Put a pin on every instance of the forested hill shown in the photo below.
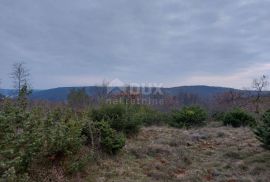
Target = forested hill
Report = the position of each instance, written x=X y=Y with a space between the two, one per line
x=61 y=93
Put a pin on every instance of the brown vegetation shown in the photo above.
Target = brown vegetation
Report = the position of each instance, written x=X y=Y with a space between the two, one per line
x=205 y=154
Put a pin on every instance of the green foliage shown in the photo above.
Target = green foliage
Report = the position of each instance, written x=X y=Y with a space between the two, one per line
x=30 y=136
x=19 y=141
x=61 y=134
x=35 y=136
x=111 y=141
x=120 y=117
x=263 y=130
x=218 y=115
x=132 y=124
x=188 y=117
x=100 y=135
x=237 y=118
x=77 y=163
x=114 y=114
x=22 y=97
x=148 y=117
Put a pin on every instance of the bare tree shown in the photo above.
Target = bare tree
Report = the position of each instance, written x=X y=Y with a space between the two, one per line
x=20 y=76
x=259 y=84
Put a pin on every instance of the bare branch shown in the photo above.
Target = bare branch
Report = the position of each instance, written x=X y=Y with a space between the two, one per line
x=20 y=75
x=259 y=84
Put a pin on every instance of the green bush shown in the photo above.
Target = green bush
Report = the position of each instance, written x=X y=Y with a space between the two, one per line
x=100 y=135
x=34 y=136
x=218 y=115
x=237 y=118
x=120 y=118
x=112 y=113
x=132 y=124
x=263 y=130
x=148 y=117
x=111 y=141
x=77 y=163
x=61 y=134
x=19 y=142
x=188 y=117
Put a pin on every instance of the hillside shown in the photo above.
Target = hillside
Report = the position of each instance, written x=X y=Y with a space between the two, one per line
x=200 y=90
x=7 y=92
x=60 y=94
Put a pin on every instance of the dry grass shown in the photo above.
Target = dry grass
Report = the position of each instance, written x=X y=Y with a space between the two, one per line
x=204 y=154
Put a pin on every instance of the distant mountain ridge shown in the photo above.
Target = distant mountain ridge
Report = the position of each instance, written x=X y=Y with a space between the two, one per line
x=61 y=93
x=7 y=92
x=201 y=90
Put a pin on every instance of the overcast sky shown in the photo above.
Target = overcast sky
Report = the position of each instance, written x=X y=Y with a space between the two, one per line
x=174 y=42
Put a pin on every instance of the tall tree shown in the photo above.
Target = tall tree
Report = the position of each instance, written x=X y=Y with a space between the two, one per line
x=259 y=84
x=20 y=76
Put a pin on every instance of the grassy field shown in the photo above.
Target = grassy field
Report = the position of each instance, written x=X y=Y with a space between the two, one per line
x=212 y=153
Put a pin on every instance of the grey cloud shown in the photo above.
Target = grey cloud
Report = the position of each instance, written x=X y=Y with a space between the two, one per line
x=140 y=40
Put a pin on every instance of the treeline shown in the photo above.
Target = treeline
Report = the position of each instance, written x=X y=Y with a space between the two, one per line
x=36 y=139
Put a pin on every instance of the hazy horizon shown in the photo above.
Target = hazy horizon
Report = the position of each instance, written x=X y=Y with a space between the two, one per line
x=174 y=43
x=100 y=85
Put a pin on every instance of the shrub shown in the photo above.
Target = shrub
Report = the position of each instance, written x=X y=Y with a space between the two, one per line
x=114 y=114
x=100 y=135
x=111 y=141
x=19 y=142
x=188 y=117
x=237 y=118
x=77 y=163
x=149 y=117
x=61 y=134
x=34 y=136
x=218 y=115
x=263 y=130
x=120 y=118
x=132 y=124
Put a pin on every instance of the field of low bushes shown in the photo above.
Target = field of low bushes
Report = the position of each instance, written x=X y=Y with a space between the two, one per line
x=56 y=144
